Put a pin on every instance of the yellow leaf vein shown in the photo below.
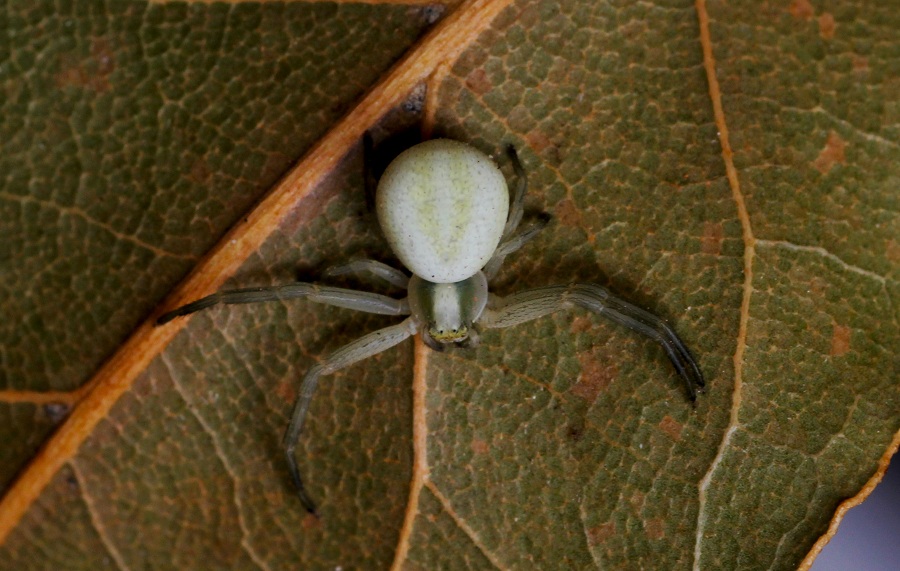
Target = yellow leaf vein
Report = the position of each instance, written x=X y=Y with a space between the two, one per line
x=749 y=253
x=239 y=508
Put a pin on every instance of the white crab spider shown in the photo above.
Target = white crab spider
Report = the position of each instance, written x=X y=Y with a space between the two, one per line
x=444 y=208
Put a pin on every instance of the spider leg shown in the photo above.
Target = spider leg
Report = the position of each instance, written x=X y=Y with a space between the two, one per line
x=391 y=275
x=511 y=240
x=534 y=303
x=512 y=244
x=363 y=347
x=517 y=206
x=351 y=299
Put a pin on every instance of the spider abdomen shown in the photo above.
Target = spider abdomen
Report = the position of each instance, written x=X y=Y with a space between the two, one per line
x=442 y=205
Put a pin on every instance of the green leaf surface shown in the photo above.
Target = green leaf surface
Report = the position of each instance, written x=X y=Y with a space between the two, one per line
x=134 y=135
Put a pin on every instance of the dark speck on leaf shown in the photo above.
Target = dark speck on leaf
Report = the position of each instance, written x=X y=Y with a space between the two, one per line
x=56 y=411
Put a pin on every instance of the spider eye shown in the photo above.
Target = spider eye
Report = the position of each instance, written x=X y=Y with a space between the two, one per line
x=448 y=335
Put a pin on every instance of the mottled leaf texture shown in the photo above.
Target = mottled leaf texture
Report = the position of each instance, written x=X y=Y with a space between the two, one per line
x=134 y=135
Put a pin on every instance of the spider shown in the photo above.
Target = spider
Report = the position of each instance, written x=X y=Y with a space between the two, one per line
x=445 y=210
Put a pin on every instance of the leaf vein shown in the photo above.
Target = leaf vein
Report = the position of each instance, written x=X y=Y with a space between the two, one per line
x=461 y=523
x=245 y=534
x=715 y=95
x=824 y=253
x=78 y=213
x=819 y=110
x=96 y=521
x=443 y=44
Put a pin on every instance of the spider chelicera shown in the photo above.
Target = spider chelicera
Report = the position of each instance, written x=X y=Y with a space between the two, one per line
x=445 y=210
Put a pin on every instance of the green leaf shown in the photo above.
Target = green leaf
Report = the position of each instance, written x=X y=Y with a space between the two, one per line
x=135 y=135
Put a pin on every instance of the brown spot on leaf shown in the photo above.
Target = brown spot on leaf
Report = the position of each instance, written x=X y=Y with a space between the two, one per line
x=826 y=26
x=71 y=74
x=711 y=243
x=538 y=141
x=479 y=446
x=860 y=63
x=286 y=391
x=832 y=153
x=671 y=427
x=567 y=213
x=200 y=172
x=310 y=521
x=802 y=9
x=655 y=529
x=840 y=340
x=892 y=250
x=595 y=376
x=581 y=324
x=478 y=81
x=601 y=533
x=90 y=73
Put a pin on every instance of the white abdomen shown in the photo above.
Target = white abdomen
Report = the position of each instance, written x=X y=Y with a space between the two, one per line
x=442 y=205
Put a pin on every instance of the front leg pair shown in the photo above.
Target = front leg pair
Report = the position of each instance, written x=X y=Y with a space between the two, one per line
x=362 y=348
x=534 y=303
x=340 y=297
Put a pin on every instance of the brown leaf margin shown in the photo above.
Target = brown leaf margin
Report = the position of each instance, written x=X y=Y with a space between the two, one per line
x=442 y=45
x=709 y=64
x=845 y=506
